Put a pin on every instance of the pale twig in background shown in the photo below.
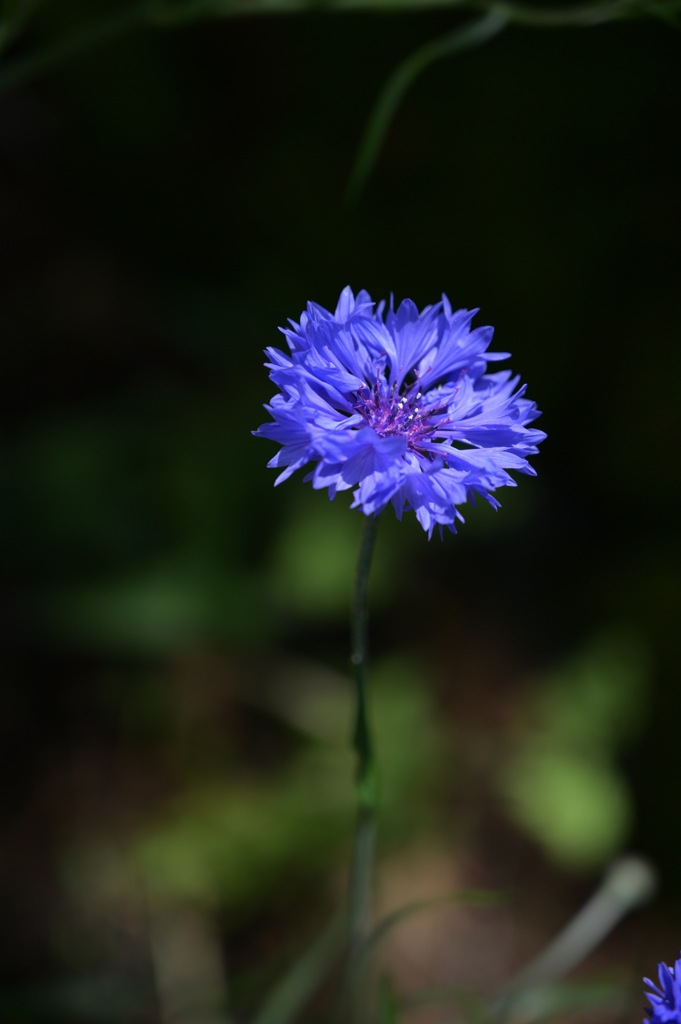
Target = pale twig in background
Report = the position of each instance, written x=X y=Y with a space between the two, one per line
x=629 y=882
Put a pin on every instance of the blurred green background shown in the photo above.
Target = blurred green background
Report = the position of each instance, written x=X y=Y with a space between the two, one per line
x=175 y=703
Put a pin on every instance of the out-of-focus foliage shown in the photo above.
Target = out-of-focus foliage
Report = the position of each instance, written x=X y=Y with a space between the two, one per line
x=564 y=783
x=228 y=841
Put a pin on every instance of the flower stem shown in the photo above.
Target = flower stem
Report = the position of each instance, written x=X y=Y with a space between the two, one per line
x=366 y=785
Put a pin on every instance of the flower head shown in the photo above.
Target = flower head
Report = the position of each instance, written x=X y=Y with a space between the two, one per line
x=399 y=405
x=665 y=1000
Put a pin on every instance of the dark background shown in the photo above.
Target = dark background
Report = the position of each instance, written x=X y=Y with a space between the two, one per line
x=166 y=202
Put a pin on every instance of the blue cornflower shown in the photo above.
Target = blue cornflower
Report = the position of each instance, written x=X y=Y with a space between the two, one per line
x=399 y=405
x=665 y=1000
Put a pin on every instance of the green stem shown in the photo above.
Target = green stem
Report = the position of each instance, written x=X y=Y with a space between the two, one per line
x=463 y=38
x=366 y=787
x=150 y=13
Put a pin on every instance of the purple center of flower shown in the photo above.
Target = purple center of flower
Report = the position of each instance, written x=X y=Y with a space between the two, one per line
x=391 y=412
